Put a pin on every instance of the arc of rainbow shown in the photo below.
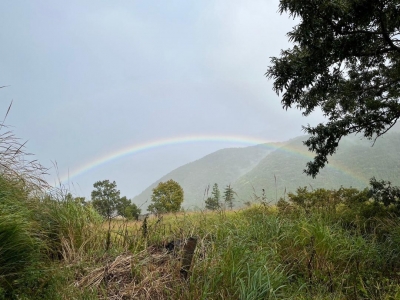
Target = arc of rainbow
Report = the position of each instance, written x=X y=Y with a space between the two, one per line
x=146 y=146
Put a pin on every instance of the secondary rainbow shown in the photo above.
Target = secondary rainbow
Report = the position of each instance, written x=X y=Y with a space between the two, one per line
x=146 y=146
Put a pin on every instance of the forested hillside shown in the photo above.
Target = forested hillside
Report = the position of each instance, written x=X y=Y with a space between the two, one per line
x=278 y=168
x=355 y=162
x=223 y=167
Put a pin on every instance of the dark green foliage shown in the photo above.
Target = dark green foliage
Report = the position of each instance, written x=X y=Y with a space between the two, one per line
x=127 y=209
x=216 y=194
x=79 y=200
x=212 y=203
x=107 y=201
x=327 y=200
x=345 y=61
x=229 y=196
x=353 y=209
x=66 y=222
x=23 y=264
x=383 y=192
x=166 y=197
x=105 y=198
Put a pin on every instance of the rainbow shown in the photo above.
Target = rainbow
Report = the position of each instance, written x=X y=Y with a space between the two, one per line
x=146 y=146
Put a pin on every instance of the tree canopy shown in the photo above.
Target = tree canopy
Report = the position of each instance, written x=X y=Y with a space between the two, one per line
x=105 y=198
x=166 y=197
x=127 y=209
x=345 y=61
x=212 y=202
x=107 y=201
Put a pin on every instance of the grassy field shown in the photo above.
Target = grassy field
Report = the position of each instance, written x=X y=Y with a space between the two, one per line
x=329 y=245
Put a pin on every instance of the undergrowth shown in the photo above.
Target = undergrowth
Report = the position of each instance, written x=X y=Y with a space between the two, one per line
x=316 y=245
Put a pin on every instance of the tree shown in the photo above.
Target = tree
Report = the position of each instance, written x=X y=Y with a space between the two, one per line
x=212 y=202
x=216 y=194
x=229 y=196
x=383 y=192
x=166 y=197
x=105 y=198
x=345 y=61
x=127 y=209
x=70 y=197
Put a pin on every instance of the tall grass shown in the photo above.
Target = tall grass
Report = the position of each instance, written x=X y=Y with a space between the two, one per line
x=72 y=230
x=21 y=245
x=319 y=245
x=260 y=252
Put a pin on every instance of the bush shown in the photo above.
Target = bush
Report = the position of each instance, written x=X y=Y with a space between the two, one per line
x=20 y=245
x=71 y=228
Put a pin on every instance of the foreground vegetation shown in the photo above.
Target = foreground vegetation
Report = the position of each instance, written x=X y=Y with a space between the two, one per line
x=316 y=245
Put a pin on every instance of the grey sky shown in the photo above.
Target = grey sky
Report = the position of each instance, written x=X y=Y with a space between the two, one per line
x=91 y=77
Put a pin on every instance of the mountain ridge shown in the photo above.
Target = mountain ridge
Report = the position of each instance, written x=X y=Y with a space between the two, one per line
x=278 y=169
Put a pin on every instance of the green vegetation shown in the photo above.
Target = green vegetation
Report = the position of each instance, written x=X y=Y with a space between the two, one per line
x=316 y=244
x=229 y=196
x=313 y=244
x=354 y=163
x=222 y=167
x=345 y=61
x=106 y=198
x=127 y=209
x=213 y=202
x=108 y=203
x=167 y=197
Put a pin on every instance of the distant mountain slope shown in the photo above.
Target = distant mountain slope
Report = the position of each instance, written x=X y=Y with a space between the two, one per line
x=353 y=165
x=223 y=167
x=252 y=169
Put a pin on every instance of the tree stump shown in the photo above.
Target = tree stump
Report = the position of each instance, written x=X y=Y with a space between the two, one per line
x=187 y=256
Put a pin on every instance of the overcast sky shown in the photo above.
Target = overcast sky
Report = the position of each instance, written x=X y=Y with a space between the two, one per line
x=91 y=77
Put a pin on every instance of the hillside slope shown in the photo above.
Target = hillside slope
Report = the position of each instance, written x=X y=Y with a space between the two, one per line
x=353 y=165
x=223 y=167
x=278 y=169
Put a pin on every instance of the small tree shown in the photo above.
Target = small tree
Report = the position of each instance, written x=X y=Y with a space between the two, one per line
x=212 y=203
x=383 y=192
x=216 y=194
x=105 y=199
x=127 y=209
x=229 y=196
x=166 y=197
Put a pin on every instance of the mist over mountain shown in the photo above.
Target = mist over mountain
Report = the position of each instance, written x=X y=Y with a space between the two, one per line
x=355 y=162
x=278 y=169
x=222 y=167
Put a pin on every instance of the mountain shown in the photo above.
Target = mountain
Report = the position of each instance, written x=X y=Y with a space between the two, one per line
x=222 y=167
x=278 y=169
x=354 y=163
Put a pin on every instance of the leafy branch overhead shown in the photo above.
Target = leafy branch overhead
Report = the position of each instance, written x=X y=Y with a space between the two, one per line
x=345 y=61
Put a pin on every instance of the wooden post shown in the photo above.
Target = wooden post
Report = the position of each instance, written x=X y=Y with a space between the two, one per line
x=188 y=252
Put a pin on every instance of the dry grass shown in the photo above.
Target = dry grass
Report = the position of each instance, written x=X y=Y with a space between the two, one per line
x=149 y=274
x=14 y=162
